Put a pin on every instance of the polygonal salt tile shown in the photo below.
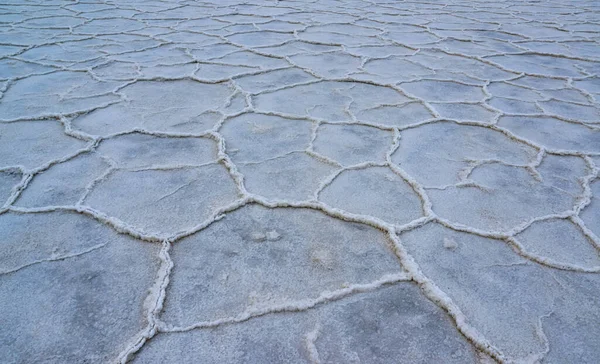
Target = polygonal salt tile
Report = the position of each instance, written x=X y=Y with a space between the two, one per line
x=214 y=51
x=542 y=65
x=465 y=112
x=220 y=72
x=553 y=133
x=166 y=14
x=183 y=37
x=77 y=290
x=412 y=38
x=582 y=27
x=87 y=7
x=352 y=144
x=277 y=25
x=444 y=62
x=511 y=106
x=273 y=79
x=560 y=241
x=35 y=143
x=144 y=151
x=338 y=18
x=435 y=154
x=329 y=65
x=111 y=13
x=236 y=104
x=257 y=137
x=108 y=26
x=169 y=71
x=367 y=96
x=397 y=115
x=371 y=327
x=225 y=29
x=464 y=47
x=8 y=180
x=268 y=339
x=52 y=22
x=533 y=31
x=509 y=300
x=540 y=82
x=8 y=50
x=583 y=49
x=64 y=183
x=25 y=37
x=162 y=55
x=591 y=214
x=234 y=29
x=177 y=106
x=116 y=44
x=559 y=170
x=260 y=39
x=444 y=91
x=568 y=95
x=341 y=28
x=164 y=202
x=257 y=257
x=251 y=59
x=572 y=111
x=295 y=176
x=116 y=71
x=297 y=47
x=12 y=68
x=395 y=323
x=505 y=90
x=327 y=100
x=244 y=19
x=379 y=51
x=397 y=69
x=332 y=38
x=504 y=198
x=66 y=54
x=58 y=93
x=448 y=76
x=590 y=85
x=377 y=191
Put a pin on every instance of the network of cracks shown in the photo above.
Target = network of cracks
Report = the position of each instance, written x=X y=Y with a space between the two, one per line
x=297 y=181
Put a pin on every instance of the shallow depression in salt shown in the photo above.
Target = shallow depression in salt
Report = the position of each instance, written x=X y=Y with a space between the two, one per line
x=299 y=181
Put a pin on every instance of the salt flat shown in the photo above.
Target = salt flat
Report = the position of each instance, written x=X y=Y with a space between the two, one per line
x=299 y=181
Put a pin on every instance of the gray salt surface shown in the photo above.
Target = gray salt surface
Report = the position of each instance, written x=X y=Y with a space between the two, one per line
x=300 y=182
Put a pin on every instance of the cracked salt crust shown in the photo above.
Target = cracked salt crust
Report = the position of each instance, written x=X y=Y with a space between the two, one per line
x=358 y=182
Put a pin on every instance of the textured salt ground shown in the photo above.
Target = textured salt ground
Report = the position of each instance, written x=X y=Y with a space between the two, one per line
x=292 y=181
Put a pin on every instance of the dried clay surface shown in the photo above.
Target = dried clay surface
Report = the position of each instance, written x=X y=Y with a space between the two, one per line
x=310 y=181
